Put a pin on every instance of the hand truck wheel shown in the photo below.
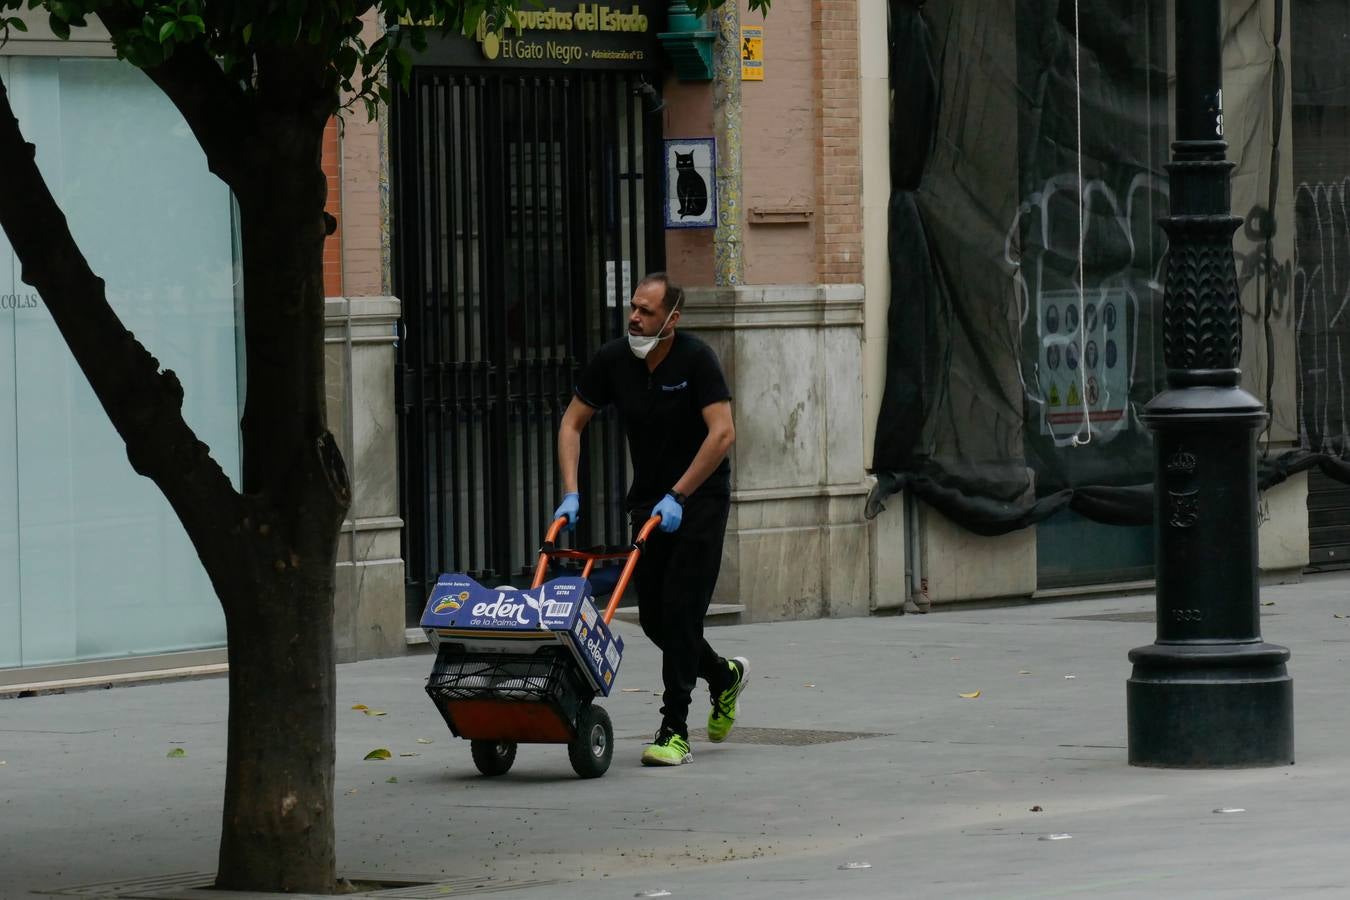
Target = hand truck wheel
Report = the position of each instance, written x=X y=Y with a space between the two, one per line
x=493 y=757
x=593 y=748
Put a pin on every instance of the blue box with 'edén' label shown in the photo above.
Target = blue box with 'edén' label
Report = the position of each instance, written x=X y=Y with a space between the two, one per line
x=461 y=610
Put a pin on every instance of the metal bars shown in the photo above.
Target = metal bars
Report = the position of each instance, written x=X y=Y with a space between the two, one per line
x=520 y=232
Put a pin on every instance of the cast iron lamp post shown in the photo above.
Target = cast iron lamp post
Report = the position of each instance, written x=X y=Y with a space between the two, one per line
x=1209 y=692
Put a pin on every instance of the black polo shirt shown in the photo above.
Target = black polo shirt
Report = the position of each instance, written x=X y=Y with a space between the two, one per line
x=661 y=411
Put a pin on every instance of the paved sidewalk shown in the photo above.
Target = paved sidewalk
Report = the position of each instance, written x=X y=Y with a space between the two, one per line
x=938 y=802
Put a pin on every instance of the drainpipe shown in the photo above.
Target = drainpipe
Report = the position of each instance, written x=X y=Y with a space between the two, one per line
x=728 y=263
x=918 y=601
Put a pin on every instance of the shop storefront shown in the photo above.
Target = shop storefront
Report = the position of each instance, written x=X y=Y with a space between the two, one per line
x=93 y=562
x=526 y=188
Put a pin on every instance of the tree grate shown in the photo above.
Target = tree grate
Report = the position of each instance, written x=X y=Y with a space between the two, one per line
x=197 y=886
x=136 y=887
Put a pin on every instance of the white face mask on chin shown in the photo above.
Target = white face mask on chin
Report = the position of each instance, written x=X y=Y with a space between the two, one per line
x=641 y=344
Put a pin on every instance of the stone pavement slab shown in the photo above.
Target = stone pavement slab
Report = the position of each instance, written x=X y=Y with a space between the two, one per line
x=936 y=797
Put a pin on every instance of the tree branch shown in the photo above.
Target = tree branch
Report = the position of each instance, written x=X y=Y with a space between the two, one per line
x=143 y=403
x=217 y=110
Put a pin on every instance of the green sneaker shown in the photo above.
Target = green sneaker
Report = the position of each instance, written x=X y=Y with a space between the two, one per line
x=669 y=750
x=723 y=715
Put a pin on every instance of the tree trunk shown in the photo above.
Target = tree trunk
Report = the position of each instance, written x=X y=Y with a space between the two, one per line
x=278 y=815
x=278 y=830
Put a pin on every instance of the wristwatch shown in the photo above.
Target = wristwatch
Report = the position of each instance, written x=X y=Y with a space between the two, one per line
x=679 y=498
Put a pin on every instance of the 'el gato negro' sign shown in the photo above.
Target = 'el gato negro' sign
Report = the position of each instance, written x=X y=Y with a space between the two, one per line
x=560 y=36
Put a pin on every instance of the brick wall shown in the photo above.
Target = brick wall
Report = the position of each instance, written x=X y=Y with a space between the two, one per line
x=778 y=124
x=332 y=248
x=838 y=138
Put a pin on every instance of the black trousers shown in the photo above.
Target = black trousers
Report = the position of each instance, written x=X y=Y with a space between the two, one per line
x=675 y=578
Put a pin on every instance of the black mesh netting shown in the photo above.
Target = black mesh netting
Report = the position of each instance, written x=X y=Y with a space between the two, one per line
x=1029 y=140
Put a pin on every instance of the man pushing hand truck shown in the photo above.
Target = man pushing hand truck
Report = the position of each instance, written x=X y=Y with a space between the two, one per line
x=675 y=408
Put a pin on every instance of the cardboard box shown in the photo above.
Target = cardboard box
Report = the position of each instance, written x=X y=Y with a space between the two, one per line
x=460 y=610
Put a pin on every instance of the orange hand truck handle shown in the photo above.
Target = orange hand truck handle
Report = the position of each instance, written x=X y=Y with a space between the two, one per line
x=638 y=543
x=541 y=568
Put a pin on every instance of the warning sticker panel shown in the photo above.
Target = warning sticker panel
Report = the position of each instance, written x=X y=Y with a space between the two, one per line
x=1083 y=371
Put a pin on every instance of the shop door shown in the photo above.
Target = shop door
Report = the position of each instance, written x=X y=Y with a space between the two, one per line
x=1320 y=81
x=520 y=231
x=1322 y=282
x=1090 y=282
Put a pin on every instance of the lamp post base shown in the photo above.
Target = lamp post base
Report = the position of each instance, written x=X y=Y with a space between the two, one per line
x=1210 y=706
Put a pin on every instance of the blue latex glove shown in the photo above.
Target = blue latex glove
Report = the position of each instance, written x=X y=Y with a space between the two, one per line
x=670 y=511
x=571 y=508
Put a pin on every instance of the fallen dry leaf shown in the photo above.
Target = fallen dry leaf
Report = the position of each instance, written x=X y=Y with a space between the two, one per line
x=970 y=696
x=808 y=684
x=379 y=753
x=424 y=740
x=360 y=706
x=633 y=690
x=375 y=712
x=1023 y=672
x=1037 y=809
x=410 y=754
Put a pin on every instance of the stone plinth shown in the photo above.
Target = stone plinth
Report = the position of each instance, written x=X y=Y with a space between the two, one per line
x=797 y=545
x=360 y=340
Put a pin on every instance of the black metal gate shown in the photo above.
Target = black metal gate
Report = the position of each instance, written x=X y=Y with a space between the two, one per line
x=521 y=226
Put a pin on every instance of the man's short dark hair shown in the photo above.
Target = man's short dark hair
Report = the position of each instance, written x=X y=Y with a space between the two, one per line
x=673 y=297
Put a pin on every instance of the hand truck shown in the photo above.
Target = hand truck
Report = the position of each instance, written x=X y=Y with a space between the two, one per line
x=525 y=667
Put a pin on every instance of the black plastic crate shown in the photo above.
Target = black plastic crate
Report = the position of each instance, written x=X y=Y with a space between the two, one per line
x=548 y=676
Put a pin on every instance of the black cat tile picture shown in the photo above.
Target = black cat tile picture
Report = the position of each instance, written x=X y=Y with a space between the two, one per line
x=690 y=183
x=690 y=187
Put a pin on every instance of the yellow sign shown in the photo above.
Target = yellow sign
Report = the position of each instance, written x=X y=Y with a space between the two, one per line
x=591 y=34
x=1054 y=395
x=1074 y=399
x=752 y=53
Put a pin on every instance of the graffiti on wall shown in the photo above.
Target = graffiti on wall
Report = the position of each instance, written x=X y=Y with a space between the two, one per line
x=1321 y=286
x=1079 y=381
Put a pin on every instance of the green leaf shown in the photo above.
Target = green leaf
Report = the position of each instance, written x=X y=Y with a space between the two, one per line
x=18 y=24
x=392 y=779
x=166 y=31
x=400 y=66
x=346 y=61
x=60 y=27
x=248 y=32
x=473 y=11
x=376 y=53
x=196 y=22
x=177 y=753
x=379 y=753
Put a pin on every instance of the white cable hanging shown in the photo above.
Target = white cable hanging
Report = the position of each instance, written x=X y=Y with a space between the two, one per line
x=1078 y=440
